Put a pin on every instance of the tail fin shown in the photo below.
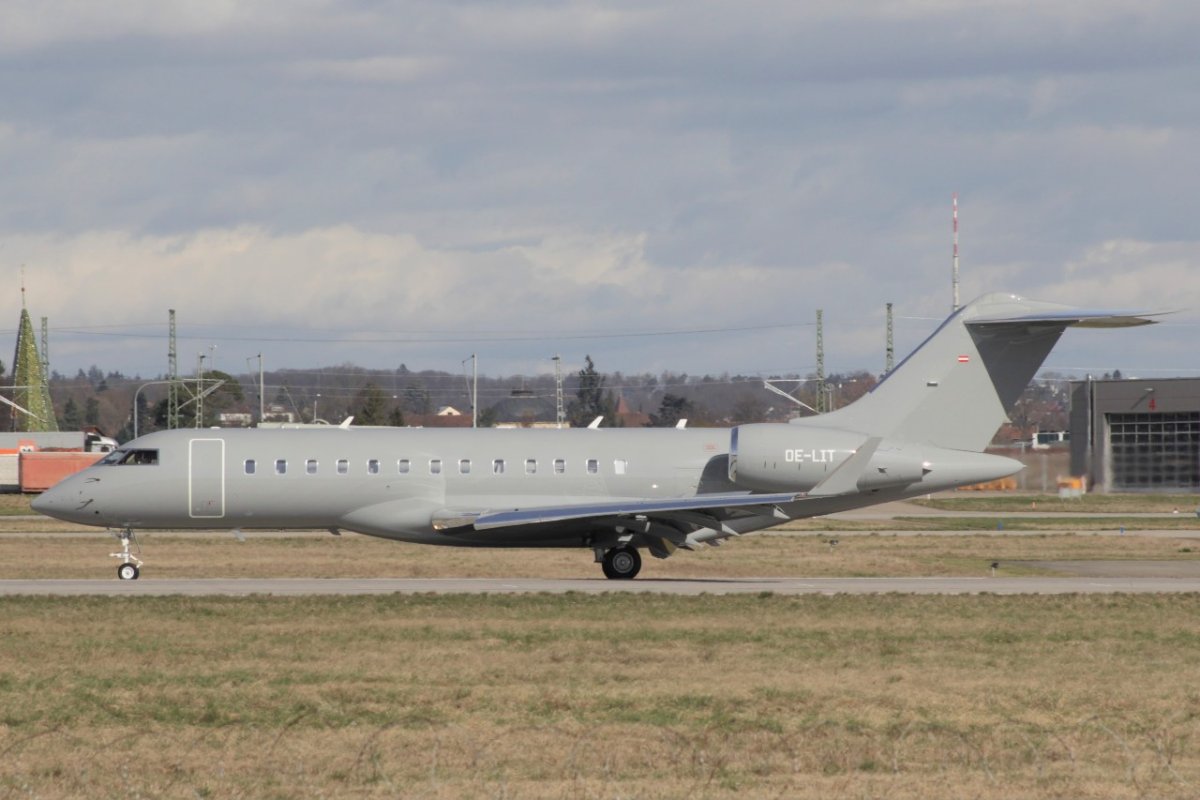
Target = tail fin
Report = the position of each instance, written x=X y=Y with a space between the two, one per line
x=955 y=390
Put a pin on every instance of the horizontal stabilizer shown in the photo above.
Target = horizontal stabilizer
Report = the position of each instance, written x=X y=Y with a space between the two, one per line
x=1055 y=314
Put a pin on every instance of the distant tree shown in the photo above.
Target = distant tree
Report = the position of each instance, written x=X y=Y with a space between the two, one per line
x=749 y=408
x=672 y=409
x=396 y=417
x=487 y=417
x=91 y=411
x=144 y=417
x=590 y=401
x=417 y=399
x=72 y=417
x=370 y=405
x=227 y=395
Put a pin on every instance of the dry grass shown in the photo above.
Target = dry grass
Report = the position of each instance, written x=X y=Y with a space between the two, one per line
x=1088 y=504
x=11 y=504
x=604 y=697
x=176 y=555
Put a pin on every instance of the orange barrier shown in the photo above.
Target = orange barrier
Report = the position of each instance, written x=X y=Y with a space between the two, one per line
x=40 y=470
x=1001 y=485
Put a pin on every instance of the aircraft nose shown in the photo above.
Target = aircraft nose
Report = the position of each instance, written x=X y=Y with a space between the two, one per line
x=45 y=503
x=54 y=502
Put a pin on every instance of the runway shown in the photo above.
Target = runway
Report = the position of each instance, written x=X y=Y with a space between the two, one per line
x=293 y=587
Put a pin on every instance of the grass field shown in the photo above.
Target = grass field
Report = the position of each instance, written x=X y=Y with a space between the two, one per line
x=612 y=696
x=600 y=697
x=1088 y=504
x=174 y=555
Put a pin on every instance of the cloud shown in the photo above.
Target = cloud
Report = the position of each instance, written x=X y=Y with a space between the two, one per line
x=522 y=166
x=380 y=69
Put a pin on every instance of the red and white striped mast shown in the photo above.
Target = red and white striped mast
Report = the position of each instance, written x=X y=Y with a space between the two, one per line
x=954 y=278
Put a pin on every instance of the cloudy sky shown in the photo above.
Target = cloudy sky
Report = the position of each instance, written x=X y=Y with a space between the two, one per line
x=663 y=185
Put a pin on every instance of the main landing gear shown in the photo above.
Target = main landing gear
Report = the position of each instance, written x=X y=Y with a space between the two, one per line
x=130 y=567
x=621 y=562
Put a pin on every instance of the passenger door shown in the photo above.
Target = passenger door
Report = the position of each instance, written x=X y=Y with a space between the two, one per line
x=206 y=478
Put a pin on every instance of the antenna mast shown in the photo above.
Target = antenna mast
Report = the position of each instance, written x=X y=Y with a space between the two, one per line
x=172 y=375
x=891 y=348
x=822 y=407
x=954 y=279
x=560 y=415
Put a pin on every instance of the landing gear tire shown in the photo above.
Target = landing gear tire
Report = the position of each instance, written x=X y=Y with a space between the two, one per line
x=131 y=566
x=622 y=563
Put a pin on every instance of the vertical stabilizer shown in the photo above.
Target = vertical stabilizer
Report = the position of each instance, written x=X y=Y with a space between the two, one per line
x=956 y=389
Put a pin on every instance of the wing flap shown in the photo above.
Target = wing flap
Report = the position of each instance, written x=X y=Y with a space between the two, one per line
x=712 y=507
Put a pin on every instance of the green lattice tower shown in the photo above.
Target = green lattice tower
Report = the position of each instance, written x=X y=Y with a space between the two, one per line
x=31 y=391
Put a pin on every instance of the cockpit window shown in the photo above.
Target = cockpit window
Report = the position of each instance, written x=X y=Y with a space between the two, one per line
x=123 y=457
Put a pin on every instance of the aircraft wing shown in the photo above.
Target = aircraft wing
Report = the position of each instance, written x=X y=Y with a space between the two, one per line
x=663 y=524
x=718 y=506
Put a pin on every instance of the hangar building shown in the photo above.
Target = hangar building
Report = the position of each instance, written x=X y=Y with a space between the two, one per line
x=1135 y=435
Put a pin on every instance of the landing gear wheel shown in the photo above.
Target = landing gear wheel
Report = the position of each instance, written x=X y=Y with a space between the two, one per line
x=622 y=563
x=131 y=566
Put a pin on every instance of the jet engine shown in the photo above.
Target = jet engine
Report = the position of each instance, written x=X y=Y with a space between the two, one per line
x=775 y=457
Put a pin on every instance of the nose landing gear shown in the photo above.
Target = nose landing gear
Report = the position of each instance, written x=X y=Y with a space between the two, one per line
x=130 y=567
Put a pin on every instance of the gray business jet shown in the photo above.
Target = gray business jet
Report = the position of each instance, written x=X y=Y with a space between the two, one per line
x=614 y=491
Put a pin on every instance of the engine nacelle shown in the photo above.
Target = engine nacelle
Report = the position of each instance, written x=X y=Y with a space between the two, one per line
x=777 y=457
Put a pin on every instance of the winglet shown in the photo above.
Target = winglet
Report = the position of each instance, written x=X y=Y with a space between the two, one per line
x=596 y=422
x=844 y=479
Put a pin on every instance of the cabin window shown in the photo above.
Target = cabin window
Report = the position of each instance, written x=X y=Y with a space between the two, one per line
x=464 y=466
x=435 y=466
x=343 y=466
x=403 y=466
x=373 y=466
x=530 y=466
x=281 y=466
x=250 y=466
x=137 y=457
x=593 y=466
x=310 y=466
x=498 y=466
x=560 y=466
x=619 y=465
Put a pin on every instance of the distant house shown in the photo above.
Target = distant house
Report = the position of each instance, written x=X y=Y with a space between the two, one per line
x=448 y=411
x=524 y=409
x=628 y=418
x=235 y=419
x=279 y=413
x=437 y=421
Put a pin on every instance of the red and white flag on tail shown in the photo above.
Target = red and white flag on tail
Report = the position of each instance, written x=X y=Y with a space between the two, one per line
x=963 y=359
